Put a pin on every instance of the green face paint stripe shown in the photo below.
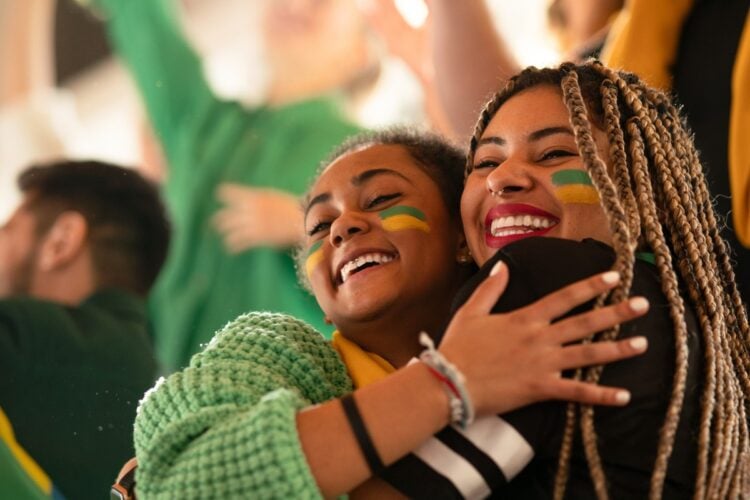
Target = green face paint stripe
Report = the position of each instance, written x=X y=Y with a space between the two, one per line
x=402 y=210
x=564 y=177
x=314 y=247
x=314 y=256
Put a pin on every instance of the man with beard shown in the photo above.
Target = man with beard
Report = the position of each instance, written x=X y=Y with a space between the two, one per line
x=77 y=258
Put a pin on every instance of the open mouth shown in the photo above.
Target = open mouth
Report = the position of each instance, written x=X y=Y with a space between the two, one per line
x=361 y=263
x=519 y=224
x=509 y=222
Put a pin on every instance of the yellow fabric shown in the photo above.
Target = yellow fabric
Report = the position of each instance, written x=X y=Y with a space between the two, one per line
x=739 y=145
x=644 y=39
x=26 y=462
x=364 y=367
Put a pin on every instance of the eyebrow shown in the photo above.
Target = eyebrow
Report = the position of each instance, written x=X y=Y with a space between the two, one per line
x=356 y=181
x=534 y=136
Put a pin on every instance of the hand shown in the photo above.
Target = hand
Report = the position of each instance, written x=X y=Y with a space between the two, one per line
x=408 y=43
x=254 y=217
x=513 y=359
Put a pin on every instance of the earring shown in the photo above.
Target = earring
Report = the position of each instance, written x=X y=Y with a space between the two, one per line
x=464 y=256
x=327 y=320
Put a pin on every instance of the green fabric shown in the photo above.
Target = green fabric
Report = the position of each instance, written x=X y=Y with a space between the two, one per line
x=70 y=381
x=14 y=481
x=225 y=426
x=208 y=141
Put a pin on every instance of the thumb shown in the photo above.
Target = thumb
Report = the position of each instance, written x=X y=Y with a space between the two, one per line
x=489 y=291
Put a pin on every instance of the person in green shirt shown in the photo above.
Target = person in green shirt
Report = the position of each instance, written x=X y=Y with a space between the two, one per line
x=257 y=159
x=77 y=258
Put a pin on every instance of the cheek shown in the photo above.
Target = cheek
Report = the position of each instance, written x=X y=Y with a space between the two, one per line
x=314 y=258
x=403 y=218
x=574 y=187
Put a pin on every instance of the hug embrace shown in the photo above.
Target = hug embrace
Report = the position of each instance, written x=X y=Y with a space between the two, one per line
x=584 y=205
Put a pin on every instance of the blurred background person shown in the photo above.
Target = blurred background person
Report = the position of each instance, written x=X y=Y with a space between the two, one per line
x=253 y=159
x=77 y=258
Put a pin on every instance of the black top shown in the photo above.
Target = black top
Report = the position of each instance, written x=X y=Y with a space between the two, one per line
x=70 y=381
x=515 y=455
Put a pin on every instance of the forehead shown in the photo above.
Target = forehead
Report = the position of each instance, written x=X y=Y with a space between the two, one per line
x=345 y=170
x=531 y=109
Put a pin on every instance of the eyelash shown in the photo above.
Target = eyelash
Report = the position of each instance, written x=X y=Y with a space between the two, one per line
x=379 y=200
x=486 y=164
x=320 y=226
x=557 y=153
x=374 y=202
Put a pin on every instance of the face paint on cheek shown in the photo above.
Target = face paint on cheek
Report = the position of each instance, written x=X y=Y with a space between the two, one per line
x=403 y=217
x=575 y=186
x=314 y=256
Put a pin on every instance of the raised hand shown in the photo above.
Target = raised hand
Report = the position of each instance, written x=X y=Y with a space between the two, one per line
x=513 y=359
x=254 y=217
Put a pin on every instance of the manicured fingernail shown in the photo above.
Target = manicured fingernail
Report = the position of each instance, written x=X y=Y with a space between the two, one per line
x=611 y=277
x=622 y=397
x=639 y=343
x=638 y=304
x=497 y=267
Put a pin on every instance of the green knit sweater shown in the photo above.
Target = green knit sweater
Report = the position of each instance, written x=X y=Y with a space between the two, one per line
x=225 y=426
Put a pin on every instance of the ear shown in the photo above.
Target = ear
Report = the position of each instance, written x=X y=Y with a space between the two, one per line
x=64 y=241
x=463 y=254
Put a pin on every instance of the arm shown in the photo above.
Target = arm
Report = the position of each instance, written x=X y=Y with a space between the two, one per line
x=470 y=57
x=168 y=73
x=26 y=65
x=235 y=408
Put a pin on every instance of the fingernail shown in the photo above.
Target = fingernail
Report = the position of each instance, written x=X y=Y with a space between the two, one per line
x=622 y=397
x=639 y=343
x=638 y=304
x=611 y=277
x=497 y=267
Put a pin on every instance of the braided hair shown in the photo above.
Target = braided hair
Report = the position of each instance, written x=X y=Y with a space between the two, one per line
x=655 y=197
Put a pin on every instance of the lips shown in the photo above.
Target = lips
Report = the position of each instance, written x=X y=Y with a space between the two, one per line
x=511 y=222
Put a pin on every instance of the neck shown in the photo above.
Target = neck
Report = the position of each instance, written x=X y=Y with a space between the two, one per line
x=395 y=337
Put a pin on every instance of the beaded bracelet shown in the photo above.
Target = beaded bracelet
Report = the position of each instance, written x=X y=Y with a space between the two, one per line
x=462 y=410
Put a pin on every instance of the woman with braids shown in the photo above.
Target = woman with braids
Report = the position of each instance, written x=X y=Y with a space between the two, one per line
x=603 y=168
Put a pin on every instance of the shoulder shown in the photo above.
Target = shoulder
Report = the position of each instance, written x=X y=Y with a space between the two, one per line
x=539 y=266
x=279 y=345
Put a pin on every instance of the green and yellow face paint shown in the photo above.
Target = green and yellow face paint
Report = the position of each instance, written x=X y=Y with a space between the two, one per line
x=401 y=217
x=314 y=256
x=575 y=186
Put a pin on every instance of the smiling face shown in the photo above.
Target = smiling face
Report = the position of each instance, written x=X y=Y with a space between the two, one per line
x=380 y=240
x=528 y=179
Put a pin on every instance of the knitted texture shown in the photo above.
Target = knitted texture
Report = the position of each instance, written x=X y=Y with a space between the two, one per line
x=225 y=426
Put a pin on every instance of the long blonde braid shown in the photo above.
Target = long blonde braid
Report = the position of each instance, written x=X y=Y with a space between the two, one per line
x=655 y=196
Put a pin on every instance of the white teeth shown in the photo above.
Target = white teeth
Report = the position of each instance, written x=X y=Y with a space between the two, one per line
x=370 y=258
x=519 y=224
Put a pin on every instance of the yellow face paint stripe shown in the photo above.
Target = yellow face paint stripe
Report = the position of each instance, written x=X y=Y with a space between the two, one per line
x=401 y=222
x=314 y=256
x=577 y=193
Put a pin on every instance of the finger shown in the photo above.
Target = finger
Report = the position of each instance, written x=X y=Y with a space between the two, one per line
x=558 y=303
x=486 y=294
x=588 y=393
x=231 y=193
x=586 y=324
x=597 y=353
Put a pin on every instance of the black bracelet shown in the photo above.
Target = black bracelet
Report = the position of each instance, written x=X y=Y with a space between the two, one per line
x=360 y=433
